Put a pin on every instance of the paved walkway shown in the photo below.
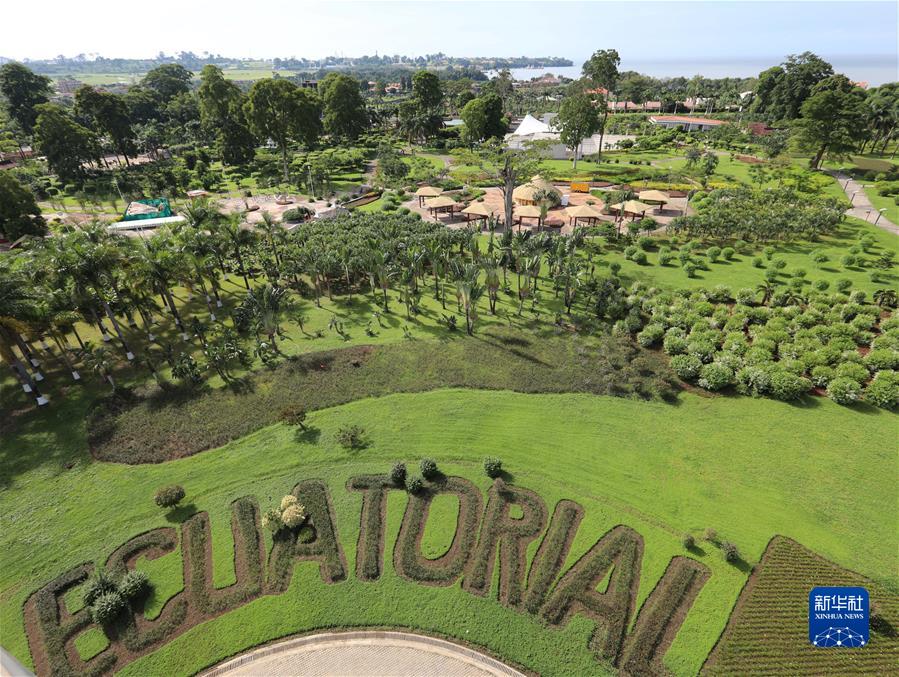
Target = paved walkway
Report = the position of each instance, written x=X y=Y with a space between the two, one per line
x=374 y=652
x=861 y=205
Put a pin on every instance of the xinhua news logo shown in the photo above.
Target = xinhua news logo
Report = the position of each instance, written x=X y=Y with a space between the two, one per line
x=838 y=617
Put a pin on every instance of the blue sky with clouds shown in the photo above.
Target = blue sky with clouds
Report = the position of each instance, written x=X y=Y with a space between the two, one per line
x=858 y=37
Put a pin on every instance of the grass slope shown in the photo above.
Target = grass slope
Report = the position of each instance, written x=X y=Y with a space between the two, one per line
x=663 y=469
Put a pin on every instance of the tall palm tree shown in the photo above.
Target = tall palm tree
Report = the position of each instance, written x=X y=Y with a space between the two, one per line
x=238 y=238
x=469 y=291
x=99 y=360
x=268 y=305
x=20 y=304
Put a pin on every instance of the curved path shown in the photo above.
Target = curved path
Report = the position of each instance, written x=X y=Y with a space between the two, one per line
x=861 y=206
x=364 y=652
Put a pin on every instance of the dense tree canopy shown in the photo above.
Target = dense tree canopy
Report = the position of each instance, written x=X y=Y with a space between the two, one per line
x=66 y=144
x=344 y=112
x=109 y=114
x=579 y=117
x=168 y=80
x=221 y=111
x=782 y=89
x=19 y=212
x=23 y=91
x=833 y=119
x=483 y=117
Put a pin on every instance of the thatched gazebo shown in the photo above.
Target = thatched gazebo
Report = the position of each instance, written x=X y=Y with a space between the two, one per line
x=442 y=203
x=527 y=193
x=584 y=211
x=654 y=197
x=427 y=192
x=631 y=207
x=528 y=212
x=478 y=211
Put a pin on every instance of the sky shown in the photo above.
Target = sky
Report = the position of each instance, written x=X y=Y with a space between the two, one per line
x=658 y=38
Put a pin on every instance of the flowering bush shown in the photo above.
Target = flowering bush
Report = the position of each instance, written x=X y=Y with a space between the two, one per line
x=844 y=390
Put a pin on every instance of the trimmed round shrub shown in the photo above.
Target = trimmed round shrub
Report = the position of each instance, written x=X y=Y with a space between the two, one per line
x=701 y=348
x=107 y=607
x=493 y=467
x=754 y=380
x=169 y=497
x=822 y=285
x=351 y=437
x=844 y=390
x=769 y=252
x=271 y=520
x=415 y=485
x=674 y=344
x=858 y=296
x=711 y=535
x=757 y=262
x=665 y=257
x=745 y=296
x=713 y=253
x=728 y=253
x=731 y=554
x=615 y=268
x=639 y=257
x=650 y=335
x=778 y=264
x=843 y=285
x=398 y=474
x=134 y=584
x=688 y=541
x=883 y=391
x=800 y=273
x=288 y=501
x=645 y=243
x=428 y=467
x=98 y=584
x=715 y=376
x=822 y=375
x=293 y=516
x=771 y=275
x=292 y=415
x=787 y=386
x=882 y=358
x=690 y=269
x=851 y=370
x=686 y=366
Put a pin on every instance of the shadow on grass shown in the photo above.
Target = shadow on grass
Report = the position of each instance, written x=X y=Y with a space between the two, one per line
x=307 y=435
x=181 y=513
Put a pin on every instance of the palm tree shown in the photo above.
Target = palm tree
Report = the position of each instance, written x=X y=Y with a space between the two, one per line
x=20 y=304
x=766 y=289
x=491 y=274
x=238 y=238
x=886 y=298
x=469 y=292
x=267 y=305
x=99 y=361
x=274 y=234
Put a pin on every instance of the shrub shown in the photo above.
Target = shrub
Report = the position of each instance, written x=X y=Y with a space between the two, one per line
x=731 y=554
x=787 y=386
x=771 y=275
x=134 y=584
x=351 y=437
x=769 y=252
x=665 y=257
x=778 y=264
x=650 y=335
x=686 y=366
x=883 y=391
x=493 y=467
x=822 y=375
x=98 y=584
x=398 y=474
x=293 y=515
x=645 y=243
x=728 y=253
x=615 y=268
x=690 y=269
x=296 y=214
x=754 y=380
x=851 y=370
x=843 y=285
x=639 y=257
x=688 y=541
x=882 y=358
x=757 y=262
x=288 y=501
x=293 y=415
x=107 y=607
x=674 y=344
x=720 y=294
x=713 y=253
x=428 y=468
x=415 y=485
x=711 y=535
x=822 y=285
x=745 y=296
x=169 y=497
x=701 y=348
x=715 y=376
x=271 y=520
x=844 y=390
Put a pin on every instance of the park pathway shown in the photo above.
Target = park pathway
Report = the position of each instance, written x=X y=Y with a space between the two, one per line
x=356 y=653
x=861 y=206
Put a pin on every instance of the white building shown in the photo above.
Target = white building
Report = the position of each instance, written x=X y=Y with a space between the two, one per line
x=531 y=129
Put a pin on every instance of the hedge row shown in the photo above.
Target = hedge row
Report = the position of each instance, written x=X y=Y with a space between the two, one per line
x=324 y=548
x=552 y=552
x=511 y=536
x=620 y=550
x=372 y=524
x=407 y=558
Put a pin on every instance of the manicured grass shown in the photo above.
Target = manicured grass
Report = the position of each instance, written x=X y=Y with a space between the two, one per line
x=740 y=272
x=662 y=469
x=887 y=202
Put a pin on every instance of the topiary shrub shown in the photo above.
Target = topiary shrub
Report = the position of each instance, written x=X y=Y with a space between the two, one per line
x=731 y=554
x=713 y=253
x=710 y=535
x=690 y=269
x=398 y=474
x=843 y=285
x=757 y=262
x=651 y=335
x=822 y=375
x=881 y=359
x=639 y=257
x=674 y=345
x=787 y=386
x=493 y=467
x=415 y=485
x=428 y=467
x=107 y=607
x=745 y=296
x=686 y=366
x=665 y=257
x=688 y=541
x=715 y=376
x=728 y=253
x=135 y=584
x=844 y=391
x=852 y=370
x=883 y=391
x=169 y=497
x=271 y=520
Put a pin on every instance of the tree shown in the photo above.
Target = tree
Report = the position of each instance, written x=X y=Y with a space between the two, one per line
x=578 y=118
x=344 y=110
x=221 y=110
x=420 y=116
x=602 y=70
x=775 y=143
x=279 y=110
x=65 y=143
x=23 y=91
x=832 y=119
x=109 y=113
x=483 y=118
x=781 y=90
x=426 y=90
x=168 y=81
x=19 y=212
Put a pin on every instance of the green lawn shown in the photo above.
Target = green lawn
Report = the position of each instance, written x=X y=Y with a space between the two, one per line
x=740 y=272
x=883 y=202
x=662 y=469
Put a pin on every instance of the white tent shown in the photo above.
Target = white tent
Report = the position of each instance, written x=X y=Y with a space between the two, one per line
x=531 y=125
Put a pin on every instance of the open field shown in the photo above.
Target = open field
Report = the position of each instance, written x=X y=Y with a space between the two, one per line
x=612 y=463
x=132 y=78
